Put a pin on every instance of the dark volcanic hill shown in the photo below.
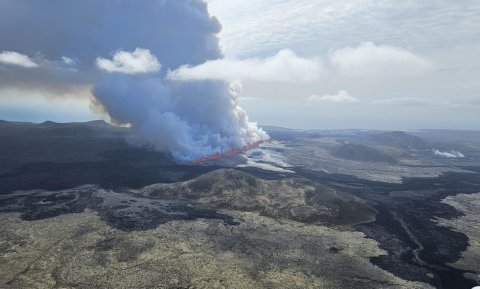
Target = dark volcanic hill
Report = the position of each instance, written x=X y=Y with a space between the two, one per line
x=398 y=139
x=23 y=143
x=357 y=152
x=295 y=198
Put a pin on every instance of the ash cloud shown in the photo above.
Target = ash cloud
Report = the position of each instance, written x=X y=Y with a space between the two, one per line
x=124 y=50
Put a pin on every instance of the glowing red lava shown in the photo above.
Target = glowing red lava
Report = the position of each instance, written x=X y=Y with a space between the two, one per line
x=230 y=153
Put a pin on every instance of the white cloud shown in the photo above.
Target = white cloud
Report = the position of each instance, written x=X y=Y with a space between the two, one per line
x=412 y=101
x=341 y=96
x=451 y=154
x=369 y=59
x=285 y=66
x=136 y=62
x=18 y=59
x=366 y=60
x=68 y=60
x=252 y=26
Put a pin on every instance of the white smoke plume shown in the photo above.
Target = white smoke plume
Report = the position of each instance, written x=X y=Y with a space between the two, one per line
x=188 y=120
x=450 y=154
x=124 y=49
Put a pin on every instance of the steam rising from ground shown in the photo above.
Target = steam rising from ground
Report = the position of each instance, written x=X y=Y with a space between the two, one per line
x=124 y=50
x=450 y=154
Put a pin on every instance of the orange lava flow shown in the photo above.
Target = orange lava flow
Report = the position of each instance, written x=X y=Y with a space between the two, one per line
x=230 y=153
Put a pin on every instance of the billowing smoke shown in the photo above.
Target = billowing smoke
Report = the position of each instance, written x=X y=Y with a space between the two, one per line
x=189 y=120
x=125 y=49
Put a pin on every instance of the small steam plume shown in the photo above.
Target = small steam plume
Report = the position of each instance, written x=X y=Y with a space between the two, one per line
x=125 y=50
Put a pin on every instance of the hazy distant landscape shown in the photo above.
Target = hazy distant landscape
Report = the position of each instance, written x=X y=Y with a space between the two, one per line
x=79 y=204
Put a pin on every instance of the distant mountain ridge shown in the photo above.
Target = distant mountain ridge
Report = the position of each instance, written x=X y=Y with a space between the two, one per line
x=399 y=139
x=358 y=152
